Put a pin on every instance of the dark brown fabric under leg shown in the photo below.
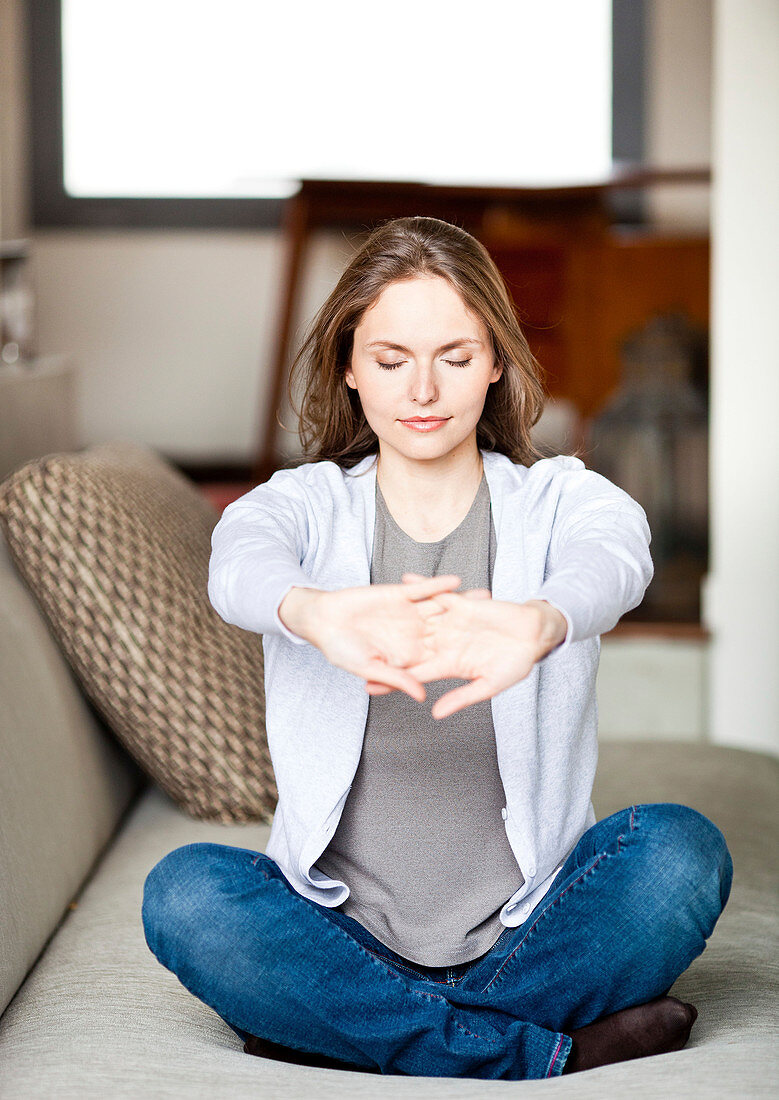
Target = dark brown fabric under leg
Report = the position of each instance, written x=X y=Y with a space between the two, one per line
x=264 y=1048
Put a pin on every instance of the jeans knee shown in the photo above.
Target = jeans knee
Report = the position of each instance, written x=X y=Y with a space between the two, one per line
x=174 y=894
x=694 y=857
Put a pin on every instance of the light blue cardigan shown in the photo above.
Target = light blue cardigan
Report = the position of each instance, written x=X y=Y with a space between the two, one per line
x=564 y=534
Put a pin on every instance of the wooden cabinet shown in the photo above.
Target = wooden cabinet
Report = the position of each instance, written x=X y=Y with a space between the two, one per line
x=580 y=296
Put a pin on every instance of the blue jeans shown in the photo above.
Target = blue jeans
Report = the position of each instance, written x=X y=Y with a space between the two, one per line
x=628 y=912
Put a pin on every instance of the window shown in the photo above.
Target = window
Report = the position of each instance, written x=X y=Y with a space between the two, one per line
x=187 y=112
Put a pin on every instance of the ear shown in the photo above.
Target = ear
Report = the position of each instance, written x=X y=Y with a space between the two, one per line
x=349 y=376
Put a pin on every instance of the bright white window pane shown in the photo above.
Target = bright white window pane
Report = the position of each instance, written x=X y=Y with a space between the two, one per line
x=191 y=98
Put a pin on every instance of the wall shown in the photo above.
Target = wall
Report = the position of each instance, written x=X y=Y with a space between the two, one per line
x=742 y=597
x=630 y=707
x=678 y=106
x=171 y=330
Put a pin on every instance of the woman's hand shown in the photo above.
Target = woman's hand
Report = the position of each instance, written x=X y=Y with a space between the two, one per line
x=470 y=636
x=376 y=631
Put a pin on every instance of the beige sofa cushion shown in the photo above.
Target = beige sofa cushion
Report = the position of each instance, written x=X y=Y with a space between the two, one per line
x=114 y=543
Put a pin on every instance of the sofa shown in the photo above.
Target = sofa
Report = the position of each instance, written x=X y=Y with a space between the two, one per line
x=87 y=1011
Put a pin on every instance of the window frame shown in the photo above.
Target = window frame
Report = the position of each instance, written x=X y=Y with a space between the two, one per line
x=52 y=207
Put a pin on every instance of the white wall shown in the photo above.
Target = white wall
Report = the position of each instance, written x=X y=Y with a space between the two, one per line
x=742 y=606
x=172 y=331
x=678 y=106
x=630 y=706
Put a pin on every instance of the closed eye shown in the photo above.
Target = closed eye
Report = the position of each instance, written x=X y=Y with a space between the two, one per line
x=452 y=362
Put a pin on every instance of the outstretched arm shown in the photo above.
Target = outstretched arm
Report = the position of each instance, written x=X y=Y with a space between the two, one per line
x=598 y=562
x=256 y=550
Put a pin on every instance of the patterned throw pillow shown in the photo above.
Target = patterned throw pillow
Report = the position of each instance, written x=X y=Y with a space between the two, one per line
x=114 y=544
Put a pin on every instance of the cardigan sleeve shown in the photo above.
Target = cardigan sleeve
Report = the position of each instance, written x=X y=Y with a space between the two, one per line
x=257 y=547
x=599 y=560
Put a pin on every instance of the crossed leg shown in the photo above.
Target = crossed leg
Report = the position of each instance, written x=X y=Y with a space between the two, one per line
x=628 y=912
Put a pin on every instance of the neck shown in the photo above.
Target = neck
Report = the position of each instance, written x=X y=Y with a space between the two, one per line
x=437 y=489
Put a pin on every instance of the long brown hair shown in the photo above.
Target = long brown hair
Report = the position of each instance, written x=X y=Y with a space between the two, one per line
x=332 y=424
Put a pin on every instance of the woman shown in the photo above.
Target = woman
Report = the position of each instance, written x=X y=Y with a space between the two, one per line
x=437 y=897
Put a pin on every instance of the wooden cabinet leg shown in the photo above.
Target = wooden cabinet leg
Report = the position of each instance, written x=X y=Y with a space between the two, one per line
x=295 y=231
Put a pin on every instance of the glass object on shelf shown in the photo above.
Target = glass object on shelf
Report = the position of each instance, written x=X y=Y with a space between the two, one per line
x=651 y=439
x=16 y=305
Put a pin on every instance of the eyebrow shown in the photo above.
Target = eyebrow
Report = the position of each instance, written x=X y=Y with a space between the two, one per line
x=444 y=347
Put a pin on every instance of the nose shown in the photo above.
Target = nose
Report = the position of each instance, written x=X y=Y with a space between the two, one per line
x=424 y=386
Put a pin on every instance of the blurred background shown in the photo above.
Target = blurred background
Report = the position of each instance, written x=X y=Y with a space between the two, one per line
x=181 y=185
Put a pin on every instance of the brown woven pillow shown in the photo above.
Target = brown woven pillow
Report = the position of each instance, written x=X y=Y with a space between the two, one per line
x=114 y=544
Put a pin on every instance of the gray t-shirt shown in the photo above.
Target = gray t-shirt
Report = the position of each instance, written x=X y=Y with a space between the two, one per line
x=421 y=833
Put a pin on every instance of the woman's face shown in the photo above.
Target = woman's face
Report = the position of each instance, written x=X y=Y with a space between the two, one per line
x=419 y=352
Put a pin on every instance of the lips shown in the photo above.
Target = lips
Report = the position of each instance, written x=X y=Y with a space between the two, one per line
x=425 y=424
